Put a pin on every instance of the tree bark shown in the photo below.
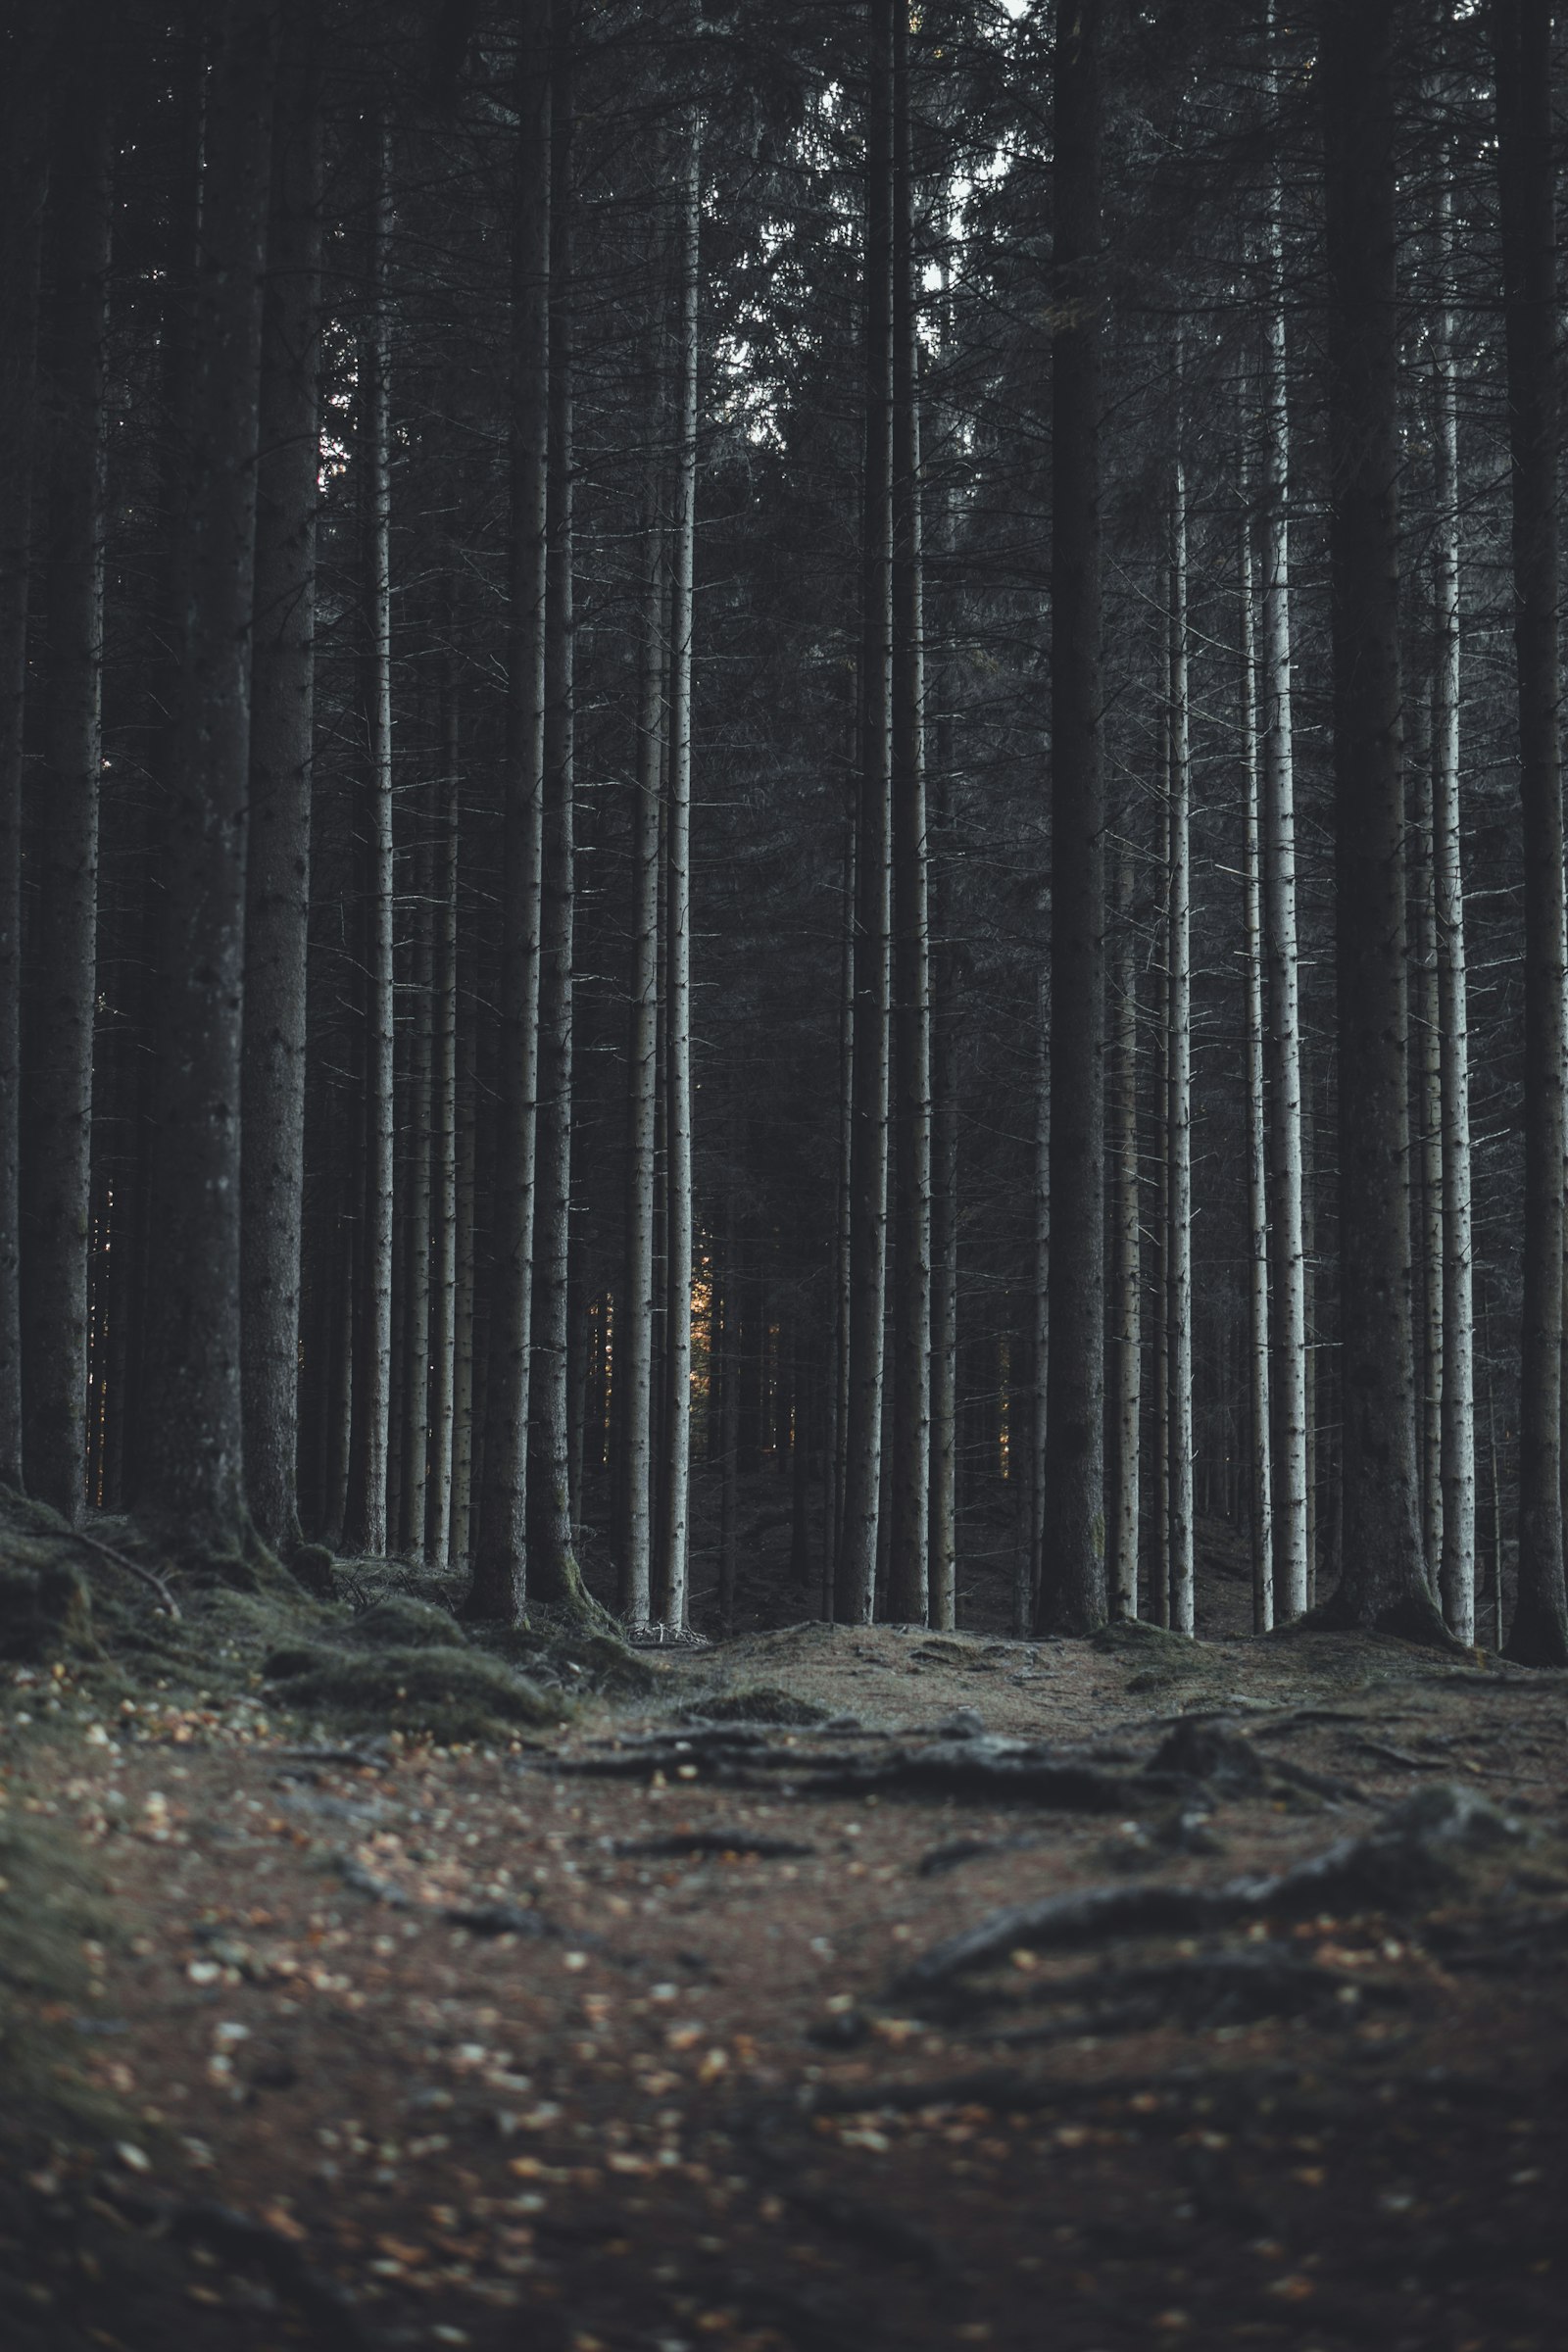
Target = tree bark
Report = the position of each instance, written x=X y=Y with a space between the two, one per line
x=1262 y=1480
x=1382 y=1583
x=1127 y=1277
x=497 y=1582
x=193 y=1458
x=436 y=1537
x=1179 y=1263
x=1072 y=1585
x=1522 y=46
x=277 y=877
x=57 y=1042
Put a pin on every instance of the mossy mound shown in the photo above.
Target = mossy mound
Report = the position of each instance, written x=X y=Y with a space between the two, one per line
x=401 y=1623
x=452 y=1695
x=44 y=1609
x=565 y=1654
x=764 y=1704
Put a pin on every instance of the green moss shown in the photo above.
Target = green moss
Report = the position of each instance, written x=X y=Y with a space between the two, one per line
x=452 y=1695
x=45 y=1608
x=762 y=1704
x=49 y=1903
x=401 y=1623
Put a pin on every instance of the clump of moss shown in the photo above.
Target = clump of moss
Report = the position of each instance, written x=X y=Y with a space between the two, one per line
x=762 y=1704
x=453 y=1695
x=582 y=1661
x=45 y=1607
x=401 y=1623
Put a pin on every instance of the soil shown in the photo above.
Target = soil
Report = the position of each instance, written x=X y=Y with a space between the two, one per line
x=670 y=2088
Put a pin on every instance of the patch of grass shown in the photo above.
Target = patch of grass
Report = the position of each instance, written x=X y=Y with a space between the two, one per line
x=762 y=1704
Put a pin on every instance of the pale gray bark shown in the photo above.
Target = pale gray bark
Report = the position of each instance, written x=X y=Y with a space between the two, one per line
x=437 y=1536
x=1179 y=1263
x=415 y=1369
x=462 y=1303
x=1127 y=1264
x=1261 y=1527
x=1426 y=1131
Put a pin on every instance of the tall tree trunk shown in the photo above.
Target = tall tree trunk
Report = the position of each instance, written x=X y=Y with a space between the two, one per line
x=1127 y=1278
x=1426 y=1131
x=415 y=1434
x=277 y=879
x=461 y=1537
x=436 y=1536
x=57 y=1043
x=498 y=1583
x=1261 y=1468
x=1072 y=1588
x=854 y=1600
x=1522 y=43
x=1288 y=1365
x=1179 y=1264
x=1159 y=1283
x=373 y=1351
x=1457 y=1574
x=193 y=1459
x=634 y=1322
x=844 y=1225
x=1383 y=1581
x=1029 y=1564
x=24 y=181
x=553 y=1572
x=943 y=1533
x=909 y=1599
x=675 y=1547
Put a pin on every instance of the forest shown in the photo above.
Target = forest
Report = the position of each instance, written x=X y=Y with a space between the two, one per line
x=782 y=905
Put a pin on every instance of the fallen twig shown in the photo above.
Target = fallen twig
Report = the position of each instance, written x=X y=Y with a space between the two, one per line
x=146 y=1575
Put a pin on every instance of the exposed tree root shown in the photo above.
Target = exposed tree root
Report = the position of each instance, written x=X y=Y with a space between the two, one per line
x=711 y=1842
x=146 y=1575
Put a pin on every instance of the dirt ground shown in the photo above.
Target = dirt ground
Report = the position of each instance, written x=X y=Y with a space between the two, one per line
x=688 y=2076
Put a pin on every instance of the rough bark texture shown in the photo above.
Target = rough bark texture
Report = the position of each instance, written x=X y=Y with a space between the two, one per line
x=1072 y=1583
x=1383 y=1580
x=1179 y=1080
x=1522 y=44
x=437 y=1531
x=278 y=850
x=193 y=1468
x=1261 y=1510
x=1127 y=1275
x=498 y=1587
x=62 y=981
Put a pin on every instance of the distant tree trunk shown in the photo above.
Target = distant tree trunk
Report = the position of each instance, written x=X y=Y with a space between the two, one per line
x=1073 y=1589
x=1521 y=41
x=1458 y=1576
x=24 y=179
x=1383 y=1581
x=437 y=1531
x=1127 y=1277
x=462 y=1302
x=1260 y=1481
x=675 y=1549
x=497 y=1582
x=193 y=1458
x=279 y=853
x=634 y=1327
x=57 y=1042
x=843 y=1227
x=855 y=1581
x=1160 y=1281
x=943 y=1189
x=1029 y=1566
x=415 y=1434
x=729 y=1412
x=373 y=1404
x=909 y=1599
x=1179 y=1267
x=1288 y=1365
x=1426 y=1132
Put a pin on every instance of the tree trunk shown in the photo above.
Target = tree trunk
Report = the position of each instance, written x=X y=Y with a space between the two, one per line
x=1260 y=1513
x=1072 y=1588
x=910 y=1433
x=24 y=179
x=278 y=852
x=1179 y=1265
x=1382 y=1583
x=854 y=1600
x=1522 y=39
x=1283 y=1046
x=497 y=1582
x=675 y=1547
x=1457 y=1575
x=943 y=1532
x=57 y=1043
x=1424 y=1083
x=415 y=1434
x=436 y=1536
x=1127 y=1292
x=193 y=1458
x=461 y=1537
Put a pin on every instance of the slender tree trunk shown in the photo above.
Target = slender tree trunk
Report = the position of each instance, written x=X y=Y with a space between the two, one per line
x=58 y=1044
x=944 y=1196
x=553 y=1572
x=729 y=1412
x=1073 y=1589
x=1382 y=1580
x=1458 y=1576
x=1262 y=1469
x=415 y=1434
x=910 y=1433
x=1179 y=1266
x=1425 y=1138
x=843 y=1227
x=498 y=1587
x=373 y=1352
x=194 y=1420
x=435 y=1536
x=278 y=853
x=675 y=1547
x=856 y=1583
x=1127 y=1292
x=1029 y=1565
x=1283 y=1045
x=24 y=181
x=1522 y=39
x=635 y=1321
x=460 y=1541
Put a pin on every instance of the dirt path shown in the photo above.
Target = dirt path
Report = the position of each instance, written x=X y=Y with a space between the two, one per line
x=677 y=2084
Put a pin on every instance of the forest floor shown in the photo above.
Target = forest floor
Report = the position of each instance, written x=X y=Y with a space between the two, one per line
x=649 y=2031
